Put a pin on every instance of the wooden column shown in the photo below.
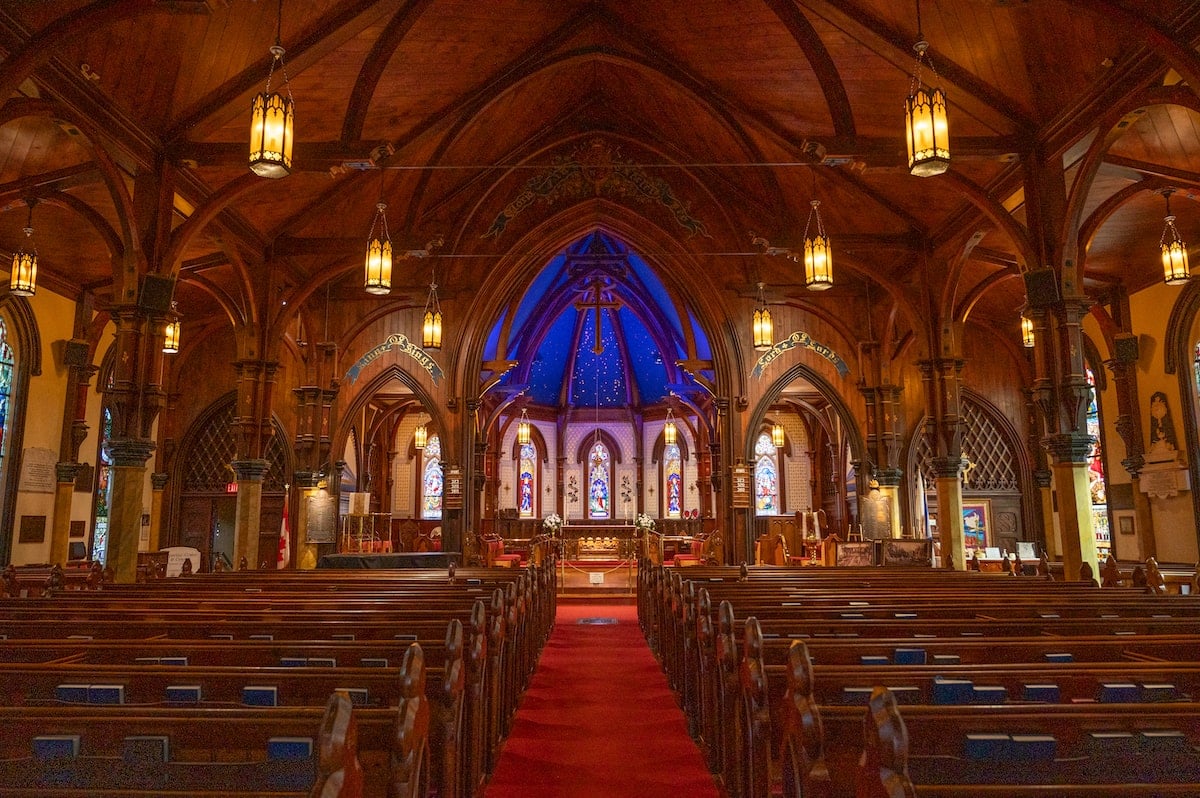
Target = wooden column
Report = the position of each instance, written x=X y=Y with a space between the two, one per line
x=64 y=492
x=1129 y=426
x=158 y=483
x=126 y=483
x=248 y=513
x=306 y=554
x=942 y=379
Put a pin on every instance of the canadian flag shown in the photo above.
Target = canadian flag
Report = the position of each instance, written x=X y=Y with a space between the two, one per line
x=285 y=539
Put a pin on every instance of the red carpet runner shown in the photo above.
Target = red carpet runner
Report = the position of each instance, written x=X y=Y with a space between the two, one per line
x=598 y=719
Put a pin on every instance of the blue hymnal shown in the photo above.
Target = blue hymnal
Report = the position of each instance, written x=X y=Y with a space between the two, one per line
x=262 y=637
x=1119 y=693
x=952 y=691
x=946 y=659
x=872 y=659
x=289 y=748
x=990 y=694
x=180 y=661
x=906 y=694
x=52 y=746
x=1158 y=692
x=260 y=696
x=322 y=662
x=106 y=694
x=183 y=693
x=1041 y=747
x=1158 y=739
x=986 y=745
x=374 y=662
x=909 y=656
x=293 y=662
x=1063 y=657
x=72 y=693
x=1048 y=693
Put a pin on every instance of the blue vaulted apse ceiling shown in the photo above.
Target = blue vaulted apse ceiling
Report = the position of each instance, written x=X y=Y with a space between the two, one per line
x=553 y=331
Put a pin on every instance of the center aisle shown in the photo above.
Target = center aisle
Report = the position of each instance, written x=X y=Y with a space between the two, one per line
x=598 y=719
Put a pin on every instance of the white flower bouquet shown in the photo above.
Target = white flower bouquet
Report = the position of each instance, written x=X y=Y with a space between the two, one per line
x=643 y=523
x=552 y=524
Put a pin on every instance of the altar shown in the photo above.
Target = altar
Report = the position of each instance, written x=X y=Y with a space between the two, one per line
x=597 y=541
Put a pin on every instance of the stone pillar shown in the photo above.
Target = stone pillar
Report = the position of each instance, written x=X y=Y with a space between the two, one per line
x=158 y=483
x=248 y=516
x=948 y=479
x=64 y=492
x=126 y=481
x=1069 y=454
x=1044 y=479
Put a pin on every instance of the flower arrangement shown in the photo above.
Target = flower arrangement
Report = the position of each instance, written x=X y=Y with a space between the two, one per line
x=552 y=523
x=643 y=523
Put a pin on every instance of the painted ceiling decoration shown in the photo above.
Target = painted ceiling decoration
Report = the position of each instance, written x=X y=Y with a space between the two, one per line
x=596 y=328
x=596 y=169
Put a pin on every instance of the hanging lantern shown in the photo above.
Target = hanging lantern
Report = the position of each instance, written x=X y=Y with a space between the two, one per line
x=670 y=434
x=1176 y=270
x=271 y=117
x=420 y=436
x=764 y=332
x=1027 y=332
x=523 y=433
x=171 y=338
x=431 y=324
x=926 y=129
x=23 y=280
x=777 y=436
x=378 y=266
x=818 y=260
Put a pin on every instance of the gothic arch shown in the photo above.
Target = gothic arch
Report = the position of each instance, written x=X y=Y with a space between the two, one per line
x=27 y=344
x=588 y=440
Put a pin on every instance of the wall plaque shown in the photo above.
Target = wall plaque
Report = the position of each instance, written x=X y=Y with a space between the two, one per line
x=37 y=470
x=33 y=529
x=741 y=486
x=320 y=518
x=452 y=497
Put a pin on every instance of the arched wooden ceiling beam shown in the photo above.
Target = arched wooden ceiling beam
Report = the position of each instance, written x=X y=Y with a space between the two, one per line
x=377 y=60
x=132 y=260
x=1179 y=54
x=365 y=320
x=222 y=297
x=218 y=201
x=963 y=311
x=47 y=42
x=112 y=241
x=822 y=63
x=533 y=64
x=1110 y=129
x=1092 y=224
x=339 y=25
x=1012 y=345
x=241 y=272
x=983 y=100
x=825 y=313
x=993 y=210
x=467 y=216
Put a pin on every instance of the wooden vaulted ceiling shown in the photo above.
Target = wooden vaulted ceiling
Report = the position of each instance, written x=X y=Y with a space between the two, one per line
x=746 y=109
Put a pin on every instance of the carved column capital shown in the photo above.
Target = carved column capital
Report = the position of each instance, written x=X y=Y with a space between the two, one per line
x=158 y=480
x=252 y=470
x=66 y=472
x=124 y=452
x=948 y=467
x=1070 y=447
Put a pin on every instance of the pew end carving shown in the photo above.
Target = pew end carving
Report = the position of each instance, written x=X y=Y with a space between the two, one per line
x=883 y=766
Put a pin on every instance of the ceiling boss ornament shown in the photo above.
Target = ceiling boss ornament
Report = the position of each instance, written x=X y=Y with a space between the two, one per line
x=595 y=169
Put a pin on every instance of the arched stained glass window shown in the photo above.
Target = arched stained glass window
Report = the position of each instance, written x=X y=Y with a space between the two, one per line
x=527 y=480
x=766 y=476
x=7 y=371
x=599 y=482
x=1097 y=484
x=431 y=479
x=103 y=475
x=673 y=480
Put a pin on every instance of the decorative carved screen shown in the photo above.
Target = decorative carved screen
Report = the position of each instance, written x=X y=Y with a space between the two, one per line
x=992 y=463
x=209 y=454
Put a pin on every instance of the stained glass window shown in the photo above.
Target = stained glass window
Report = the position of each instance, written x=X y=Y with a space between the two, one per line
x=526 y=480
x=7 y=369
x=766 y=476
x=1096 y=481
x=599 y=482
x=431 y=479
x=103 y=475
x=673 y=480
